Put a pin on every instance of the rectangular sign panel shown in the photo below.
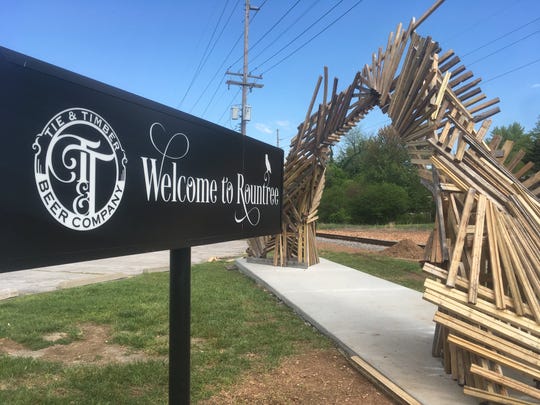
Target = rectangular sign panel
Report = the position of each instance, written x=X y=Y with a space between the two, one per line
x=89 y=171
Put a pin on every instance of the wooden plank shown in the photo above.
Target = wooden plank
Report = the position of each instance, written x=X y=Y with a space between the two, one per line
x=494 y=260
x=519 y=270
x=483 y=106
x=481 y=316
x=460 y=239
x=516 y=159
x=482 y=336
x=484 y=128
x=521 y=172
x=440 y=217
x=532 y=181
x=454 y=361
x=492 y=355
x=477 y=248
x=495 y=141
x=450 y=142
x=444 y=133
x=371 y=372
x=506 y=149
x=506 y=381
x=466 y=87
x=470 y=94
x=440 y=94
x=485 y=115
x=487 y=308
x=460 y=79
x=448 y=65
x=495 y=398
x=508 y=269
x=472 y=101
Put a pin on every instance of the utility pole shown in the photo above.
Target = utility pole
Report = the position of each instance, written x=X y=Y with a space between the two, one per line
x=277 y=137
x=245 y=114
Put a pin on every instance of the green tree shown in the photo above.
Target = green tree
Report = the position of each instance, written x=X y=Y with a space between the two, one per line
x=333 y=206
x=372 y=181
x=349 y=156
x=514 y=132
x=384 y=159
x=379 y=203
x=534 y=153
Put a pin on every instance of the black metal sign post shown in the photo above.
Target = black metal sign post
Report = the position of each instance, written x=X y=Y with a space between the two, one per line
x=180 y=326
x=89 y=171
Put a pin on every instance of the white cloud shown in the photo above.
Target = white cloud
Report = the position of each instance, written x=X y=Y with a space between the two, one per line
x=283 y=123
x=535 y=86
x=265 y=129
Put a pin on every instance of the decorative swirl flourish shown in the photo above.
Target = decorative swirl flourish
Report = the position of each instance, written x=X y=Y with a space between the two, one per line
x=247 y=215
x=165 y=152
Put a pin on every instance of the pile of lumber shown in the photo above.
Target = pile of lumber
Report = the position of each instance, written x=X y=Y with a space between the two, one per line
x=483 y=256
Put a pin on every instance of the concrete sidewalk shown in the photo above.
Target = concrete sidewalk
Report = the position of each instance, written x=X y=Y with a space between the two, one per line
x=388 y=326
x=95 y=271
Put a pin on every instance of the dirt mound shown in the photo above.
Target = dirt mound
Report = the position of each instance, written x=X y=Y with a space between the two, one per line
x=318 y=377
x=405 y=249
x=93 y=347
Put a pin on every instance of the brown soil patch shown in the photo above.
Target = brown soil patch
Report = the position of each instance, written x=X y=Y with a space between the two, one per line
x=93 y=347
x=405 y=249
x=317 y=377
x=419 y=237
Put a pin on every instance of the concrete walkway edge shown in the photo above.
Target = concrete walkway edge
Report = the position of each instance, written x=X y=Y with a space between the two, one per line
x=387 y=326
x=395 y=391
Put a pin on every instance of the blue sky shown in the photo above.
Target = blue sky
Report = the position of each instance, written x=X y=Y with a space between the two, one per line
x=154 y=49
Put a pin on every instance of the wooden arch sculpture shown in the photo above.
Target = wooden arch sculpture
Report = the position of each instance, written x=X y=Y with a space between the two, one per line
x=483 y=255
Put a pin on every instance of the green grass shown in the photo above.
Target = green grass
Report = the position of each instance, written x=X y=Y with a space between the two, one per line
x=402 y=272
x=236 y=328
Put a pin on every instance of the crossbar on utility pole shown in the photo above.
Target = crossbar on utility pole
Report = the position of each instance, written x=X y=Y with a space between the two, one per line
x=245 y=75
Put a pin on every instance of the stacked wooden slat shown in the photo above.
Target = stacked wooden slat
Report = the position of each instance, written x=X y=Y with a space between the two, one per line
x=305 y=165
x=310 y=150
x=483 y=255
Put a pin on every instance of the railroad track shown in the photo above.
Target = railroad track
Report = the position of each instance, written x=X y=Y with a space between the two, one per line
x=369 y=241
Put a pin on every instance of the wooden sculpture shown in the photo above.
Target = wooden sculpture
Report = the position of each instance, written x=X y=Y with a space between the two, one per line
x=484 y=253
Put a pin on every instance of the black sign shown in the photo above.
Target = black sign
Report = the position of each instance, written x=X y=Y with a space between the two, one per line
x=89 y=171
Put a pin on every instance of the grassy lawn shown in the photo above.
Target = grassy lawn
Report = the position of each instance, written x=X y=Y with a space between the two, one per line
x=236 y=328
x=405 y=273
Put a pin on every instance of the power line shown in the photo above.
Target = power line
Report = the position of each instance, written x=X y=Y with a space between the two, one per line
x=501 y=37
x=269 y=30
x=462 y=32
x=302 y=33
x=293 y=24
x=313 y=37
x=503 y=48
x=215 y=43
x=201 y=62
x=213 y=96
x=230 y=104
x=512 y=71
x=220 y=68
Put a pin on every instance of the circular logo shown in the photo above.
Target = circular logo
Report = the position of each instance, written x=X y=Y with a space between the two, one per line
x=80 y=169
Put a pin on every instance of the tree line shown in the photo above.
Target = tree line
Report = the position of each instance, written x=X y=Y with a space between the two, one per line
x=371 y=180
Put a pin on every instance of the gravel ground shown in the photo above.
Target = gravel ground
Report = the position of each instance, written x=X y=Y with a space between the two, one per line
x=357 y=245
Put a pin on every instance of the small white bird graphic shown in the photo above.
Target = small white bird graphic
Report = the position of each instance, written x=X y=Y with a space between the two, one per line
x=267 y=163
x=268 y=169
